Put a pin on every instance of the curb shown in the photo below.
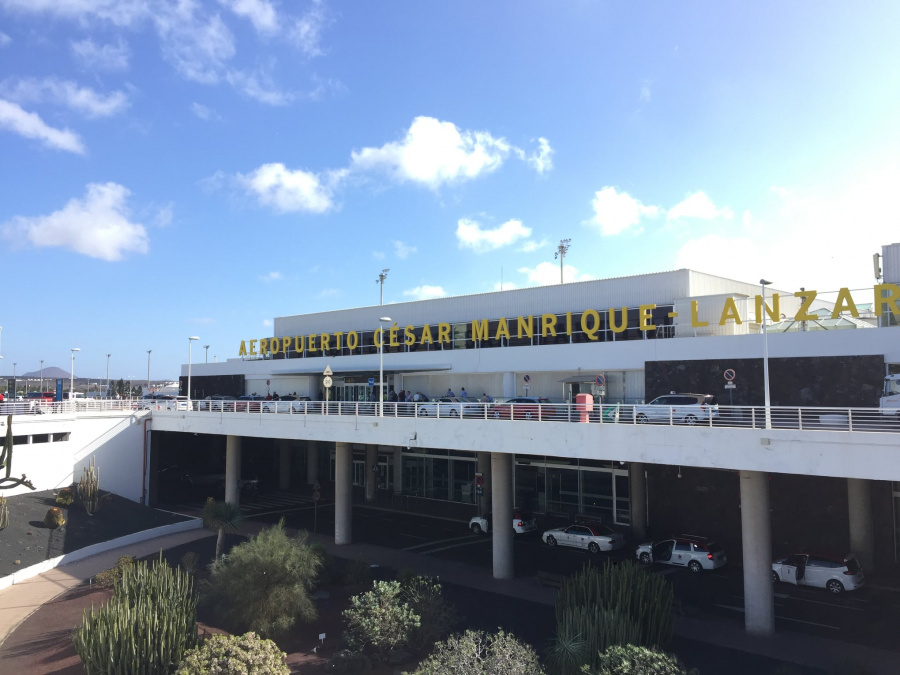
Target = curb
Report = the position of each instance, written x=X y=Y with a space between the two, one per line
x=94 y=549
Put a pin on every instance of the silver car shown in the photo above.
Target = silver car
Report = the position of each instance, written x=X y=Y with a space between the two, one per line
x=593 y=537
x=836 y=573
x=678 y=409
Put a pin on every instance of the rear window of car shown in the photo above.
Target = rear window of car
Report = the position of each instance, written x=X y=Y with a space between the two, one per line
x=711 y=400
x=713 y=546
x=853 y=565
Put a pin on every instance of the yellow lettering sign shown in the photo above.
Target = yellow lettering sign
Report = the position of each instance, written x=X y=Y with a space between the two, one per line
x=339 y=337
x=568 y=323
x=299 y=343
x=409 y=335
x=548 y=325
x=352 y=340
x=243 y=350
x=480 y=330
x=803 y=313
x=588 y=329
x=618 y=327
x=325 y=342
x=311 y=341
x=645 y=317
x=252 y=347
x=886 y=295
x=378 y=337
x=444 y=333
x=730 y=313
x=695 y=320
x=843 y=303
x=502 y=329
x=774 y=312
x=527 y=327
x=392 y=336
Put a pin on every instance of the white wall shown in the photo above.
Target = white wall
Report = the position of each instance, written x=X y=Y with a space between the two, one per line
x=114 y=440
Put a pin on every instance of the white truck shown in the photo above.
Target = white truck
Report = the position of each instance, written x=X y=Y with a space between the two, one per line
x=890 y=401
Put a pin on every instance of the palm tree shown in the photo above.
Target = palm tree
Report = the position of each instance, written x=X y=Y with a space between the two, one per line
x=223 y=517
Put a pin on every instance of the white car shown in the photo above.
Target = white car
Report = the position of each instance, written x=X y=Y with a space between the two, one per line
x=451 y=406
x=522 y=522
x=592 y=536
x=286 y=404
x=678 y=409
x=686 y=550
x=836 y=573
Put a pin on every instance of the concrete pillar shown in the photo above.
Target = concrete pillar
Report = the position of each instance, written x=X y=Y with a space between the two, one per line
x=398 y=470
x=343 y=493
x=284 y=464
x=371 y=472
x=483 y=465
x=859 y=503
x=502 y=506
x=637 y=486
x=233 y=469
x=756 y=539
x=312 y=462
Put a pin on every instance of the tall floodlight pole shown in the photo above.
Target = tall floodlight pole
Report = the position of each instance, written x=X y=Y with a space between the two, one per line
x=15 y=387
x=763 y=283
x=148 y=370
x=72 y=375
x=206 y=347
x=561 y=251
x=42 y=375
x=380 y=280
x=190 y=344
x=383 y=319
x=107 y=374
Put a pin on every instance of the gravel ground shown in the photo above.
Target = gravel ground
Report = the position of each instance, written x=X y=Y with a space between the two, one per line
x=27 y=541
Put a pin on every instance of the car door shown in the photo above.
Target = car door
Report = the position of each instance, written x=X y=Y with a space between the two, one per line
x=793 y=570
x=681 y=553
x=817 y=573
x=579 y=536
x=662 y=551
x=658 y=410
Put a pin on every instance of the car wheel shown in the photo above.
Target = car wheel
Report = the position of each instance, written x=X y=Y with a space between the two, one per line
x=835 y=586
x=496 y=414
x=641 y=418
x=423 y=412
x=453 y=413
x=645 y=558
x=593 y=547
x=775 y=577
x=476 y=528
x=551 y=540
x=527 y=414
x=690 y=420
x=695 y=566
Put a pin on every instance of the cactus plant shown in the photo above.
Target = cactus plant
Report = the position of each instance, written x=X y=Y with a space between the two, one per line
x=145 y=628
x=7 y=481
x=65 y=497
x=54 y=518
x=89 y=489
x=4 y=513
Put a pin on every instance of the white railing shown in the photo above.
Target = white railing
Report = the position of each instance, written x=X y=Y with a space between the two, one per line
x=750 y=417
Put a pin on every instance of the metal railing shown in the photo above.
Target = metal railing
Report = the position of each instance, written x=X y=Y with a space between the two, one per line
x=748 y=417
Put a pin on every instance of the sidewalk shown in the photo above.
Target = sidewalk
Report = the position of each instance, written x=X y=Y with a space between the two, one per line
x=19 y=601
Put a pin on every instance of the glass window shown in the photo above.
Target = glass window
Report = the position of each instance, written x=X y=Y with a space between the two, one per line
x=682 y=546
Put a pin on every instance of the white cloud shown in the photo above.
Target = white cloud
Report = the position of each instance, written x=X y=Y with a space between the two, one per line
x=504 y=286
x=30 y=125
x=819 y=237
x=203 y=112
x=97 y=226
x=4 y=39
x=645 y=94
x=547 y=274
x=615 y=212
x=260 y=13
x=328 y=293
x=306 y=32
x=267 y=323
x=697 y=205
x=402 y=251
x=258 y=86
x=378 y=255
x=197 y=48
x=471 y=235
x=780 y=191
x=434 y=153
x=541 y=160
x=277 y=186
x=83 y=100
x=271 y=276
x=111 y=57
x=425 y=292
x=532 y=245
x=164 y=216
x=117 y=12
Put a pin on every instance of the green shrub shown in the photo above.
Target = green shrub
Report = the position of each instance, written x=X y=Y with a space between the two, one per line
x=54 y=518
x=479 y=653
x=65 y=497
x=425 y=597
x=636 y=660
x=235 y=655
x=615 y=605
x=189 y=563
x=379 y=620
x=108 y=578
x=356 y=572
x=328 y=572
x=147 y=625
x=263 y=584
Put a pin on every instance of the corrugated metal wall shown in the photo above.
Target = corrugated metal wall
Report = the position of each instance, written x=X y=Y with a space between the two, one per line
x=890 y=263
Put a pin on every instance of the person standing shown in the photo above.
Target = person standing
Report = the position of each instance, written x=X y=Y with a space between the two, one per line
x=463 y=393
x=449 y=392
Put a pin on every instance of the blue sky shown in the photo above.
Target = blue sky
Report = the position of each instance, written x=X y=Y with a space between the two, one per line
x=173 y=168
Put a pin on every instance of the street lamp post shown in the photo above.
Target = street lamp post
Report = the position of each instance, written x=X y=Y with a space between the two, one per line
x=72 y=375
x=107 y=374
x=206 y=347
x=15 y=387
x=42 y=375
x=763 y=283
x=381 y=367
x=148 y=370
x=190 y=345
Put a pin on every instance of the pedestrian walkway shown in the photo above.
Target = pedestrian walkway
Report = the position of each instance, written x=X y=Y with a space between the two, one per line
x=20 y=601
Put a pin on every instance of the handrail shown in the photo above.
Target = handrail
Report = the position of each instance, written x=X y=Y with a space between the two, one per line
x=803 y=418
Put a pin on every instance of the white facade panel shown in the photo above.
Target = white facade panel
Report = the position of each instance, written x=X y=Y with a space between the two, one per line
x=890 y=263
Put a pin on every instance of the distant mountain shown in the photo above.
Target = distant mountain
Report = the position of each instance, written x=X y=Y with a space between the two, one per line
x=50 y=373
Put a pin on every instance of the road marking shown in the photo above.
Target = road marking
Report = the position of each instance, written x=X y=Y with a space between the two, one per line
x=411 y=536
x=478 y=540
x=443 y=541
x=783 y=618
x=782 y=596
